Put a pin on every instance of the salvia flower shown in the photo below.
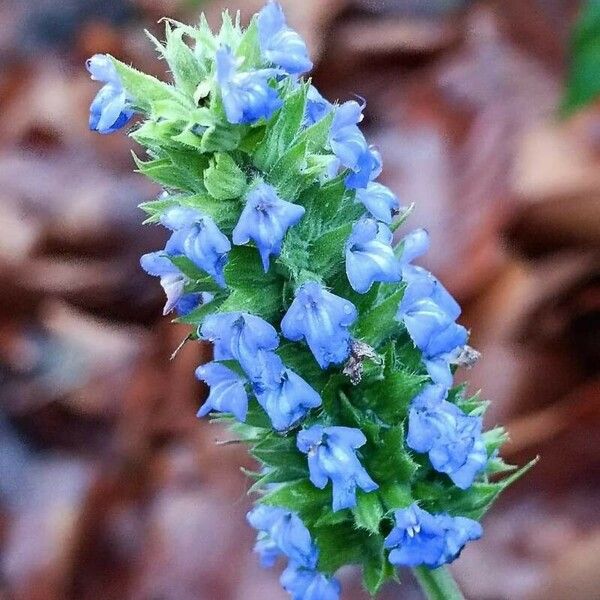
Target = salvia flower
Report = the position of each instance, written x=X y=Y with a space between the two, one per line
x=284 y=531
x=172 y=279
x=317 y=107
x=345 y=138
x=246 y=338
x=308 y=584
x=111 y=108
x=370 y=256
x=368 y=167
x=379 y=200
x=322 y=319
x=288 y=400
x=429 y=314
x=265 y=220
x=332 y=456
x=247 y=97
x=420 y=538
x=227 y=392
x=452 y=438
x=279 y=44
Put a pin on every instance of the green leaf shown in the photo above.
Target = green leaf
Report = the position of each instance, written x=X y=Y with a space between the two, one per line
x=327 y=251
x=249 y=48
x=199 y=314
x=368 y=511
x=187 y=70
x=583 y=79
x=281 y=452
x=220 y=137
x=396 y=495
x=287 y=173
x=223 y=179
x=156 y=208
x=391 y=462
x=302 y=497
x=281 y=130
x=379 y=324
x=145 y=89
x=225 y=213
x=376 y=571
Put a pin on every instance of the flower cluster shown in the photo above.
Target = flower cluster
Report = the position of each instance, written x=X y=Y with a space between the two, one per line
x=280 y=255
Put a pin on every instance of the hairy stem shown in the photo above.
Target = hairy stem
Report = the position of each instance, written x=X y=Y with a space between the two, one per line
x=438 y=584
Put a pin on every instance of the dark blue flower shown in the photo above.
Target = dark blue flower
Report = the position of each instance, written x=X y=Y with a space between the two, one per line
x=452 y=438
x=288 y=400
x=321 y=318
x=316 y=107
x=188 y=302
x=368 y=167
x=246 y=338
x=370 y=256
x=332 y=456
x=308 y=584
x=247 y=97
x=265 y=219
x=279 y=44
x=111 y=108
x=283 y=532
x=420 y=538
x=379 y=200
x=227 y=392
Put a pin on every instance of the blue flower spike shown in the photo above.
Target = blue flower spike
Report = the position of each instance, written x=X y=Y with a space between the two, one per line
x=111 y=109
x=333 y=352
x=332 y=456
x=279 y=44
x=265 y=220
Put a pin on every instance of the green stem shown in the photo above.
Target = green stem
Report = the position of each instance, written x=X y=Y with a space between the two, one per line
x=438 y=584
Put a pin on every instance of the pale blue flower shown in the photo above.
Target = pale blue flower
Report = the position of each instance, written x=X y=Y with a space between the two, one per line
x=322 y=319
x=265 y=220
x=317 y=107
x=247 y=97
x=422 y=539
x=452 y=438
x=227 y=392
x=288 y=400
x=282 y=531
x=111 y=109
x=369 y=256
x=172 y=280
x=332 y=456
x=246 y=338
x=308 y=584
x=368 y=167
x=345 y=138
x=379 y=200
x=279 y=44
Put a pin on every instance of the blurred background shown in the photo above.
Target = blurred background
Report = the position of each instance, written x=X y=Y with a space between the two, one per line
x=110 y=488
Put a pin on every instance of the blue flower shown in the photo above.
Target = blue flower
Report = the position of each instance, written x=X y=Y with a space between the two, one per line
x=379 y=200
x=420 y=538
x=322 y=318
x=316 y=107
x=452 y=438
x=368 y=168
x=369 y=256
x=227 y=392
x=188 y=302
x=429 y=312
x=248 y=339
x=332 y=456
x=288 y=400
x=265 y=219
x=172 y=279
x=284 y=532
x=308 y=584
x=345 y=138
x=279 y=44
x=247 y=97
x=111 y=108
